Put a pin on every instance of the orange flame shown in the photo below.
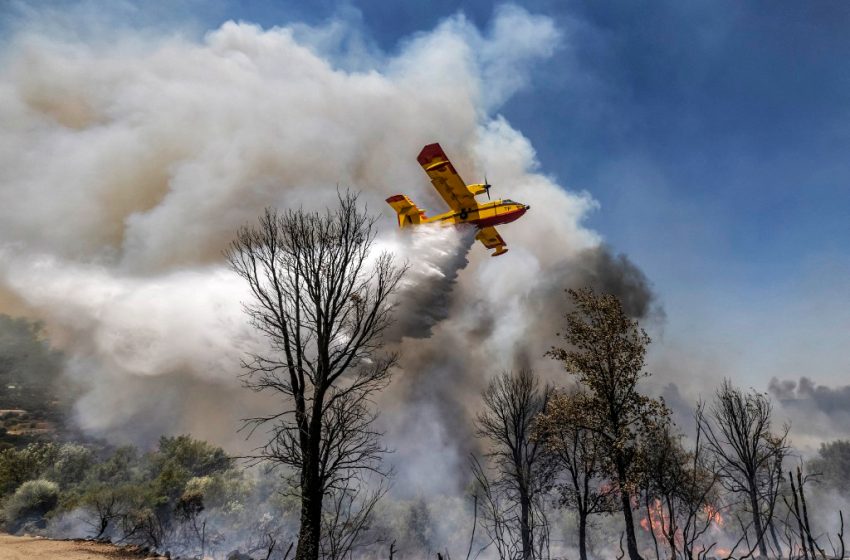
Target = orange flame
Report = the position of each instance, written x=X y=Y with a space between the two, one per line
x=714 y=516
x=658 y=521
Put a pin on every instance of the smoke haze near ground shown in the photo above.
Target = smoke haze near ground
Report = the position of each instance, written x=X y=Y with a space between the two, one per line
x=125 y=171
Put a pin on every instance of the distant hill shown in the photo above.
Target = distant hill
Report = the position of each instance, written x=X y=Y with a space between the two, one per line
x=34 y=400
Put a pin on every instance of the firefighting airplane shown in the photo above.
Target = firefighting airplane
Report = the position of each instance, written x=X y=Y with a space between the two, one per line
x=461 y=199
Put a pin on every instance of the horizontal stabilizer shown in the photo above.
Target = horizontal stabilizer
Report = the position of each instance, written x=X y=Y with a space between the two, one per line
x=408 y=212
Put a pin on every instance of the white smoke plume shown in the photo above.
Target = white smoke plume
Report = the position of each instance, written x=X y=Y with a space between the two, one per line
x=128 y=159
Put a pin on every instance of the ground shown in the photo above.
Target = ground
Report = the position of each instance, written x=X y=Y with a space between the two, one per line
x=28 y=548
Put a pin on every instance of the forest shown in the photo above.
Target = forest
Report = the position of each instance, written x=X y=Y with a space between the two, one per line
x=590 y=466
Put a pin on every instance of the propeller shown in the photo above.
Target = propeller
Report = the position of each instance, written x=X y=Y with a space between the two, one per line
x=487 y=186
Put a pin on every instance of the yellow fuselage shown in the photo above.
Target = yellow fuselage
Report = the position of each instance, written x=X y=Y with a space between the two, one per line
x=484 y=215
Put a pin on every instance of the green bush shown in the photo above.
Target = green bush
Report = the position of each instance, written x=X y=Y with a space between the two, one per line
x=27 y=463
x=30 y=503
x=180 y=459
x=71 y=465
x=195 y=457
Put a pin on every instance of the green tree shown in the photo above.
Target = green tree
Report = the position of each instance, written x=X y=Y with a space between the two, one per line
x=27 y=463
x=606 y=352
x=123 y=465
x=195 y=457
x=832 y=464
x=179 y=459
x=71 y=464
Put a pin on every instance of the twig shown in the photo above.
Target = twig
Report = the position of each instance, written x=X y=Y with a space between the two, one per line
x=474 y=523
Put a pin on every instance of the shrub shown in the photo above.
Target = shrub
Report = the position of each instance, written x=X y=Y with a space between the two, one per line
x=71 y=465
x=30 y=503
x=27 y=463
x=195 y=457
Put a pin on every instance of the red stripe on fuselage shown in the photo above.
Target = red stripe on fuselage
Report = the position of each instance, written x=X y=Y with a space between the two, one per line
x=499 y=218
x=504 y=218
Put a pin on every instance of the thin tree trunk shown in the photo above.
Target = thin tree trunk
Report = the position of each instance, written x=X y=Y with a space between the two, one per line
x=754 y=504
x=805 y=513
x=525 y=531
x=772 y=528
x=582 y=535
x=631 y=539
x=671 y=530
x=652 y=527
x=799 y=518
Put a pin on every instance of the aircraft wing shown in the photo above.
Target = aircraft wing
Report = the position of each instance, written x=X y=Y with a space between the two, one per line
x=445 y=179
x=492 y=240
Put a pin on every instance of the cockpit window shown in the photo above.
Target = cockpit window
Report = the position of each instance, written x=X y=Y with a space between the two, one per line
x=508 y=201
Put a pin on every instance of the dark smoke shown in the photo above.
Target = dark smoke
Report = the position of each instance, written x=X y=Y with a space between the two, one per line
x=808 y=395
x=605 y=272
x=816 y=412
x=597 y=268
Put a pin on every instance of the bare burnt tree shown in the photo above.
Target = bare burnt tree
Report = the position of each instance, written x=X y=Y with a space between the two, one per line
x=576 y=460
x=799 y=526
x=680 y=495
x=749 y=455
x=700 y=500
x=322 y=299
x=105 y=508
x=664 y=483
x=346 y=524
x=514 y=515
x=606 y=352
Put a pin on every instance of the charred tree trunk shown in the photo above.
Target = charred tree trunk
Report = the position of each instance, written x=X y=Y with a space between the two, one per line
x=525 y=525
x=811 y=540
x=312 y=492
x=311 y=523
x=631 y=539
x=582 y=535
x=757 y=522
x=799 y=517
x=771 y=526
x=671 y=529
x=652 y=526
